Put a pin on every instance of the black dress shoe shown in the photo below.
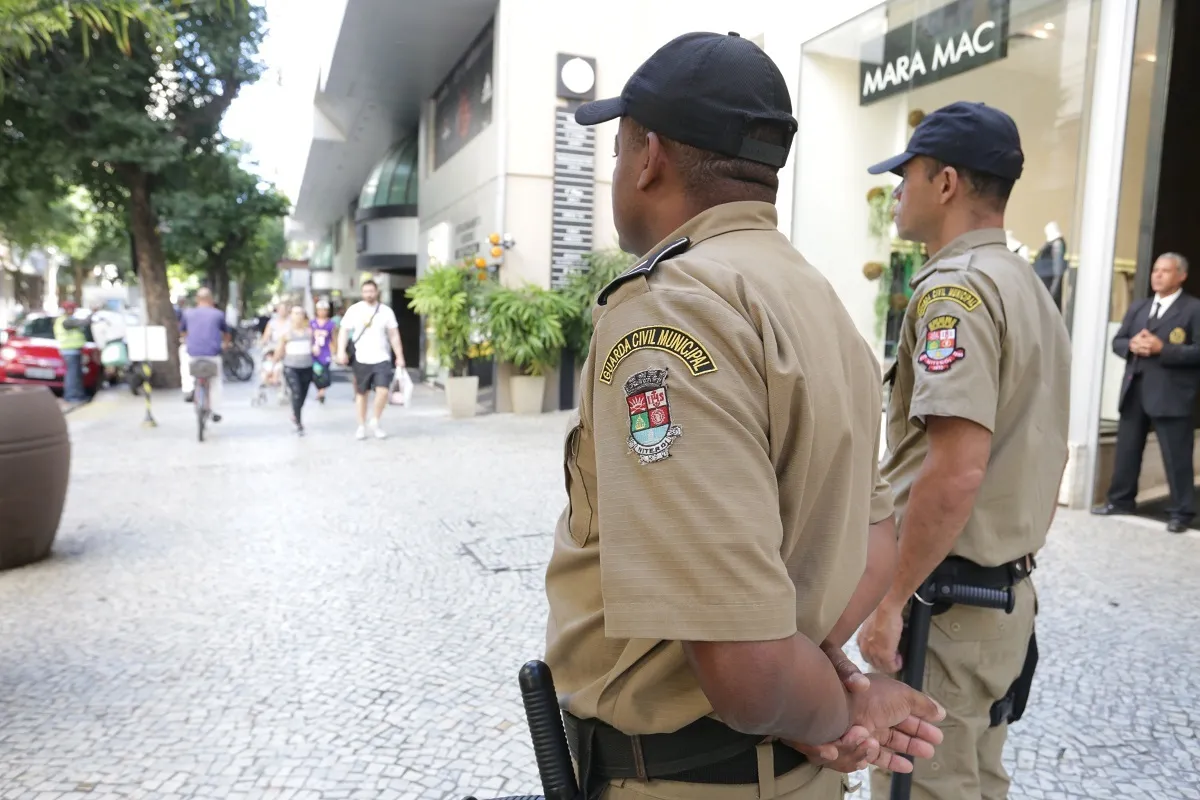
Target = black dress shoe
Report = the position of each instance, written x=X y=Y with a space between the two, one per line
x=1177 y=526
x=1109 y=510
x=190 y=397
x=216 y=417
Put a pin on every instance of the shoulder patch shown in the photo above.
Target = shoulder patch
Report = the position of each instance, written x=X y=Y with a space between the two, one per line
x=941 y=345
x=682 y=345
x=644 y=267
x=953 y=293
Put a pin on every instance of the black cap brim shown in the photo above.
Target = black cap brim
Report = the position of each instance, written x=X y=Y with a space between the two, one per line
x=892 y=164
x=598 y=111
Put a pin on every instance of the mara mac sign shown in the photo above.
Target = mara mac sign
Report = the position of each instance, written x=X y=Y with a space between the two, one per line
x=950 y=41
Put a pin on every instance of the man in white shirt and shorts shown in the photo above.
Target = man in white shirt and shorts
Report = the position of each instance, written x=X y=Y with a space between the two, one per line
x=371 y=327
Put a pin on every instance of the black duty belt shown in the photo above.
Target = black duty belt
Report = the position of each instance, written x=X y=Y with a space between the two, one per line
x=961 y=571
x=706 y=751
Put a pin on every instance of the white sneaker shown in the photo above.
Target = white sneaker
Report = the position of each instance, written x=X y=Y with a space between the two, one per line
x=379 y=432
x=361 y=433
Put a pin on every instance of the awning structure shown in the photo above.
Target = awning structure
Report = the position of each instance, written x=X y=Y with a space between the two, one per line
x=389 y=58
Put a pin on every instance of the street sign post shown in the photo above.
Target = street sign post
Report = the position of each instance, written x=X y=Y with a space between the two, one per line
x=147 y=344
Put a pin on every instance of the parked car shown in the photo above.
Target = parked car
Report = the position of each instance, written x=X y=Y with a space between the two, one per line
x=29 y=354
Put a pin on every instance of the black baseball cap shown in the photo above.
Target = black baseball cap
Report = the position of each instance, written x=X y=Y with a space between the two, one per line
x=970 y=135
x=706 y=90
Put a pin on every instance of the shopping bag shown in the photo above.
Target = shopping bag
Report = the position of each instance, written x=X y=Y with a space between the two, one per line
x=402 y=388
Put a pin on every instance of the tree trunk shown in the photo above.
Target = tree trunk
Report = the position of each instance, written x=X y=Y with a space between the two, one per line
x=152 y=273
x=218 y=276
x=243 y=301
x=77 y=270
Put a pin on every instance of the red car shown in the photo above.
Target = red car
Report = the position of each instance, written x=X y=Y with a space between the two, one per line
x=29 y=354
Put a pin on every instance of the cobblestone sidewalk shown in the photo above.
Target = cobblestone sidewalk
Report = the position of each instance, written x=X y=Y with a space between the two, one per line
x=267 y=617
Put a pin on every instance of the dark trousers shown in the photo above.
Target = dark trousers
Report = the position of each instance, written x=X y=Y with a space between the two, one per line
x=298 y=379
x=1175 y=441
x=73 y=379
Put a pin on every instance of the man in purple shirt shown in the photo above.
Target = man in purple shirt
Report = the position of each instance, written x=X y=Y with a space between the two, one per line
x=206 y=333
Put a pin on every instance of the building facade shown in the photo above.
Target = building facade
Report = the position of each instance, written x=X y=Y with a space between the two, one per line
x=437 y=125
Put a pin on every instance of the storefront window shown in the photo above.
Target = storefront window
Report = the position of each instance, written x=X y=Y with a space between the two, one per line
x=867 y=83
x=1137 y=151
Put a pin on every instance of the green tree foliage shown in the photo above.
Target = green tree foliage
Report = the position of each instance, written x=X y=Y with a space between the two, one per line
x=217 y=223
x=29 y=27
x=123 y=125
x=255 y=270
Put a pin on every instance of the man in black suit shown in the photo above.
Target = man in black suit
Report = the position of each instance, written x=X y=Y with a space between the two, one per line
x=1162 y=378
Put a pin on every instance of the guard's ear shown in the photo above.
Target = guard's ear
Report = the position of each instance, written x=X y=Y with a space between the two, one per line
x=654 y=161
x=948 y=184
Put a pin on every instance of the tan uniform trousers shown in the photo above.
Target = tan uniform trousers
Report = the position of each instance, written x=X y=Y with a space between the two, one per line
x=806 y=782
x=974 y=656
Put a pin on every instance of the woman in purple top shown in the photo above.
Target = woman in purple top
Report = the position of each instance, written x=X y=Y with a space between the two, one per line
x=324 y=333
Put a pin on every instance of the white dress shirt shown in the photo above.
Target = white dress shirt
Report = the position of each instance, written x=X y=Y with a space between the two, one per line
x=1164 y=303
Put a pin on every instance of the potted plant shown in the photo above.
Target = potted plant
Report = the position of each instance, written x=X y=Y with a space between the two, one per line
x=448 y=296
x=581 y=287
x=526 y=326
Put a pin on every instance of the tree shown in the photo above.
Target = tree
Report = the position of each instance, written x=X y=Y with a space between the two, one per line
x=28 y=27
x=216 y=220
x=256 y=270
x=123 y=126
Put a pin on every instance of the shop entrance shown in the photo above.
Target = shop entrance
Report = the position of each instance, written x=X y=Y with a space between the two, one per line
x=1169 y=102
x=1171 y=204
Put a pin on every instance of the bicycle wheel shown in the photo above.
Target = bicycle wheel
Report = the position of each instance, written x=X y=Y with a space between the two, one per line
x=243 y=366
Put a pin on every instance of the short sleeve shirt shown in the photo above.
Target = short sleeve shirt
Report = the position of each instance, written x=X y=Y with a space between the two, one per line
x=982 y=340
x=369 y=331
x=720 y=472
x=205 y=327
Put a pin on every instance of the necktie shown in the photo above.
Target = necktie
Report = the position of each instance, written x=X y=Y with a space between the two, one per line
x=1154 y=311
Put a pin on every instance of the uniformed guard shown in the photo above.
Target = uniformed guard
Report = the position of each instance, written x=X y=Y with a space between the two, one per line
x=71 y=338
x=977 y=440
x=720 y=470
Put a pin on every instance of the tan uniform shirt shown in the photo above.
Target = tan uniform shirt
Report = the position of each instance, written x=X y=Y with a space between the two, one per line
x=719 y=473
x=983 y=341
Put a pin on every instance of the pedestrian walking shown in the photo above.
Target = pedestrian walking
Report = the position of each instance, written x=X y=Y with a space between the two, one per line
x=721 y=470
x=296 y=353
x=324 y=335
x=977 y=441
x=275 y=331
x=71 y=338
x=204 y=334
x=1160 y=342
x=369 y=339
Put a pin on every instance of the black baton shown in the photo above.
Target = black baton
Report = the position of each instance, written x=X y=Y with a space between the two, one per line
x=546 y=729
x=919 y=615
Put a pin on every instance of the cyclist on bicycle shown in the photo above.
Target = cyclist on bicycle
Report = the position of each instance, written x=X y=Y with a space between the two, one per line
x=206 y=334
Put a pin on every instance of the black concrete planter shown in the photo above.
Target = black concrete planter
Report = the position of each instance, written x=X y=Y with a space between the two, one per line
x=35 y=464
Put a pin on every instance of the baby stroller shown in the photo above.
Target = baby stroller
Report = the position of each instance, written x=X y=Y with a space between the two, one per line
x=268 y=369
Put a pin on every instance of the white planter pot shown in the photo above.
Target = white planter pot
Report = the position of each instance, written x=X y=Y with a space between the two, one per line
x=462 y=395
x=527 y=393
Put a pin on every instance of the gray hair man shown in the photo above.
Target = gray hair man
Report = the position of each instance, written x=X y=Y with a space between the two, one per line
x=1160 y=342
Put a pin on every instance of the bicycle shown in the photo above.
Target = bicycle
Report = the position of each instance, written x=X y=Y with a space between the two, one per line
x=236 y=363
x=203 y=371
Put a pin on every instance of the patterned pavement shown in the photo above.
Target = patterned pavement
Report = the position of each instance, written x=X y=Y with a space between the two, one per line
x=275 y=618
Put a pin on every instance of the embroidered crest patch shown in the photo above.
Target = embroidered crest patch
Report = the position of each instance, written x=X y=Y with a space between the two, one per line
x=650 y=430
x=1178 y=336
x=955 y=294
x=941 y=350
x=682 y=345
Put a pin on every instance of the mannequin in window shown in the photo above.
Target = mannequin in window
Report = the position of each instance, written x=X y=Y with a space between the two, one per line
x=1015 y=245
x=1051 y=261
